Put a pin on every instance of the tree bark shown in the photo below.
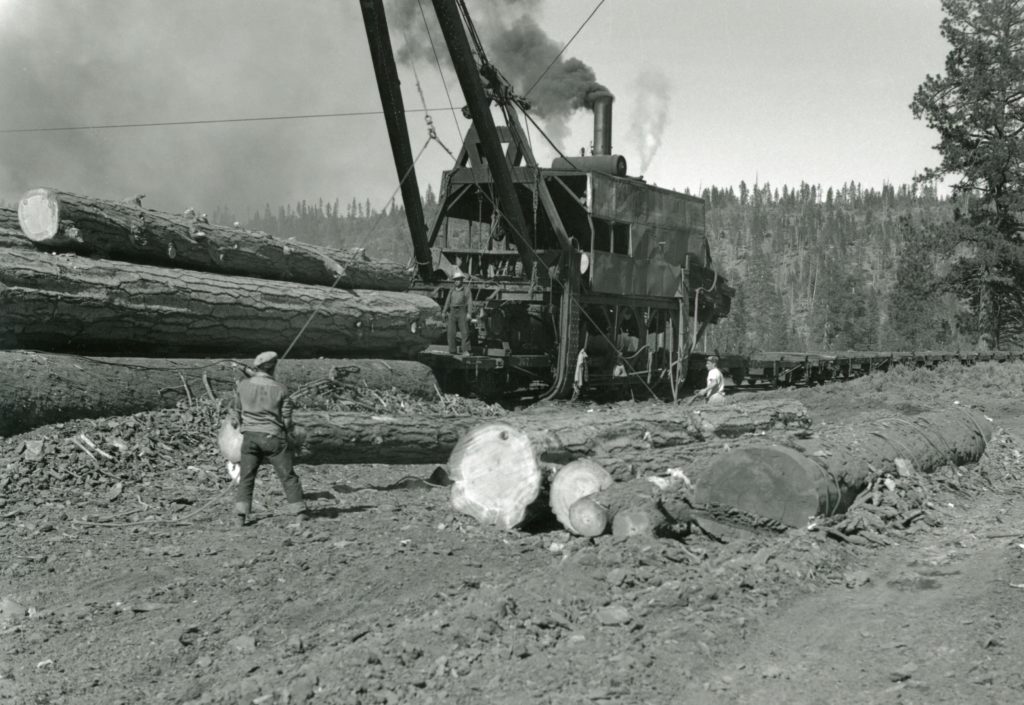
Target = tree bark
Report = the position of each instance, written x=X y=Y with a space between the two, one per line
x=822 y=476
x=65 y=222
x=561 y=435
x=43 y=388
x=10 y=231
x=350 y=438
x=68 y=303
x=556 y=436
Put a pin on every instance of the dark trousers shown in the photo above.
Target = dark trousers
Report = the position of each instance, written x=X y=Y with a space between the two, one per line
x=458 y=318
x=256 y=448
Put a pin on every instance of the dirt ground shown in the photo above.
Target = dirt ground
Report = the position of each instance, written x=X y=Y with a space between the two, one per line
x=138 y=589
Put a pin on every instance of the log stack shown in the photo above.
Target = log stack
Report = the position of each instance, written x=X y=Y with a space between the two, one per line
x=97 y=277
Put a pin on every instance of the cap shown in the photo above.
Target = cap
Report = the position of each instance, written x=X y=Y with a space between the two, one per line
x=264 y=357
x=713 y=358
x=458 y=274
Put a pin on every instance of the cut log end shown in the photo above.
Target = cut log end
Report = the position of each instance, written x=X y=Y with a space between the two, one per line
x=495 y=474
x=588 y=518
x=635 y=521
x=39 y=215
x=580 y=478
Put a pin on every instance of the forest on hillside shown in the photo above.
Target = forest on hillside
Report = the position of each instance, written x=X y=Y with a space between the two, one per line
x=815 y=270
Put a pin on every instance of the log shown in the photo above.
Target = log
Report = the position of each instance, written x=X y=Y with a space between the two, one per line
x=353 y=438
x=65 y=222
x=495 y=475
x=43 y=388
x=67 y=303
x=9 y=219
x=580 y=478
x=556 y=437
x=560 y=435
x=822 y=476
x=10 y=231
x=776 y=485
x=628 y=508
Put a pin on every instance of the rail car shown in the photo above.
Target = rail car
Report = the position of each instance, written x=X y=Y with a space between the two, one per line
x=583 y=277
x=786 y=369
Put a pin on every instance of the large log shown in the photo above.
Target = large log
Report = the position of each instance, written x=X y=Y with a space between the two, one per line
x=67 y=303
x=43 y=388
x=822 y=476
x=65 y=222
x=788 y=485
x=560 y=435
x=350 y=438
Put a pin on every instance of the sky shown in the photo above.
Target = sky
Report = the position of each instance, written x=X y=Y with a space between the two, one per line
x=707 y=93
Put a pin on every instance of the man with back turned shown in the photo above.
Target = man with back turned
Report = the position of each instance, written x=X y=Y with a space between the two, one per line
x=263 y=413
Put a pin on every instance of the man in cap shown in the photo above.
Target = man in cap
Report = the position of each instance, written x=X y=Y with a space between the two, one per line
x=263 y=411
x=459 y=308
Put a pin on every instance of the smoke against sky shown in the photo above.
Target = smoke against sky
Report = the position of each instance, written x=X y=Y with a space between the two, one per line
x=517 y=45
x=649 y=116
x=100 y=63
x=788 y=91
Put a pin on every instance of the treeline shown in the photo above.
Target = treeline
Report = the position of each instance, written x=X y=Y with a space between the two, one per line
x=844 y=269
x=818 y=270
x=383 y=233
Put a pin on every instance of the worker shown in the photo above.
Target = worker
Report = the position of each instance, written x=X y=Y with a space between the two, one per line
x=459 y=309
x=262 y=410
x=714 y=392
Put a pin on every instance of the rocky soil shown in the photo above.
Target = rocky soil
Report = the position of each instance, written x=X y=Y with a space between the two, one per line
x=123 y=581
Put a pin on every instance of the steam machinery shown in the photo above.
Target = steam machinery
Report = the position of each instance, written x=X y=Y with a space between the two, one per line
x=582 y=276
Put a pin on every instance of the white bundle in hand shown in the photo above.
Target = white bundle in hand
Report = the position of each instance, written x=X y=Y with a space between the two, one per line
x=230 y=442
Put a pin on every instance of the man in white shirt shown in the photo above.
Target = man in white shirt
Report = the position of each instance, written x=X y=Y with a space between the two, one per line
x=714 y=392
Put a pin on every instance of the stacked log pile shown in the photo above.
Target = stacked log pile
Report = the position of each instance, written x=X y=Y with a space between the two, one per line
x=96 y=277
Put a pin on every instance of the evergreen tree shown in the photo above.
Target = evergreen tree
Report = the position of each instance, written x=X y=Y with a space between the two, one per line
x=912 y=301
x=977 y=108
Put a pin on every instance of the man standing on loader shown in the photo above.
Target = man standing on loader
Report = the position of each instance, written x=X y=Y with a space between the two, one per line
x=459 y=308
x=263 y=413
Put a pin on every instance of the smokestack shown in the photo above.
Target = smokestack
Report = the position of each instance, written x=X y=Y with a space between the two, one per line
x=601 y=103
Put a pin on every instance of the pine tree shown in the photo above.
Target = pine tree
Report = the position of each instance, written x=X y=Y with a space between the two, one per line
x=977 y=108
x=912 y=301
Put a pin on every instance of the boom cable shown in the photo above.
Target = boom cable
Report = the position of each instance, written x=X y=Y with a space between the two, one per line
x=215 y=121
x=564 y=47
x=373 y=228
x=440 y=72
